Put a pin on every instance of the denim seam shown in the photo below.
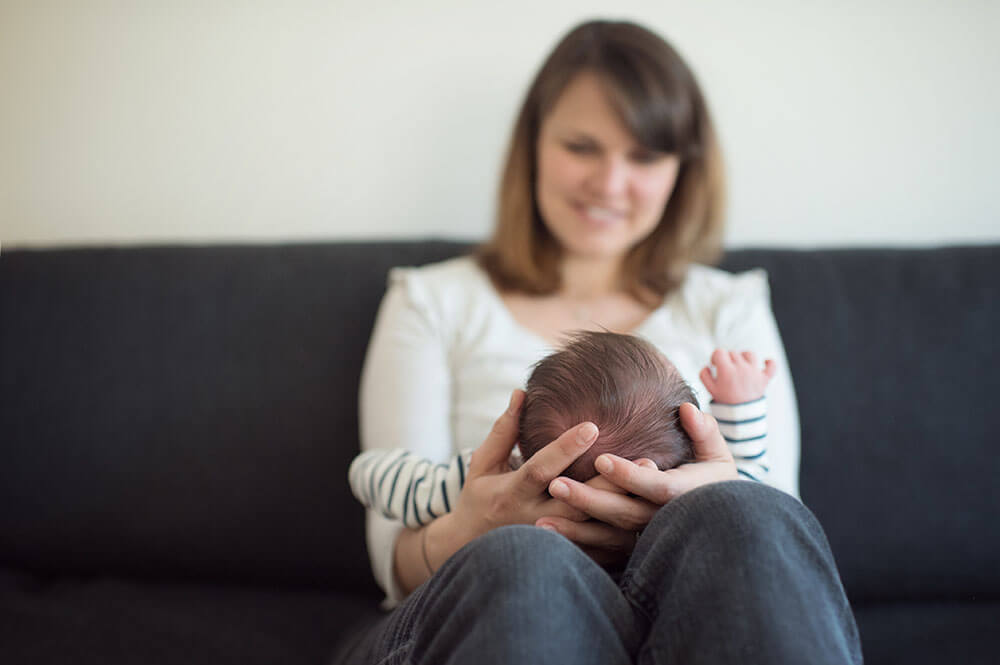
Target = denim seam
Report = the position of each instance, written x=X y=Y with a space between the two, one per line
x=394 y=655
x=638 y=595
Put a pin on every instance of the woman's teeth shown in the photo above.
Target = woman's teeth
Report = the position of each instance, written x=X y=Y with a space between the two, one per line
x=602 y=214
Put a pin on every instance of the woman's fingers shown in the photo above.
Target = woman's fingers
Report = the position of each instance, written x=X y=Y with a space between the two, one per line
x=495 y=450
x=620 y=510
x=550 y=461
x=687 y=477
x=652 y=488
x=647 y=482
x=591 y=535
x=555 y=508
x=601 y=483
x=705 y=435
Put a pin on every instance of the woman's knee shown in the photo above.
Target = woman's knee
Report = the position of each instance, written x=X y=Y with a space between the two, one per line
x=746 y=512
x=516 y=553
x=528 y=595
x=518 y=567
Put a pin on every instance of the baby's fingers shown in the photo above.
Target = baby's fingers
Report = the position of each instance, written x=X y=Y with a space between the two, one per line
x=770 y=368
x=750 y=358
x=722 y=359
x=707 y=379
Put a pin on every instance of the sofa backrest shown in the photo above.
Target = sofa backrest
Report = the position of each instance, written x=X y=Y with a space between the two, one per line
x=191 y=411
x=894 y=358
x=188 y=411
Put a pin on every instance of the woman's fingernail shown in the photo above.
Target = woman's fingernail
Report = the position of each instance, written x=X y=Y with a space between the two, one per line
x=513 y=404
x=586 y=434
x=604 y=464
x=559 y=489
x=698 y=415
x=549 y=527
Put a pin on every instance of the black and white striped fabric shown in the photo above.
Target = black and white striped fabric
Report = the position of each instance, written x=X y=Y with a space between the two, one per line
x=744 y=427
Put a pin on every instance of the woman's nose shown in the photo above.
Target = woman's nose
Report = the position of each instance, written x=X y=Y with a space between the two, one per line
x=610 y=176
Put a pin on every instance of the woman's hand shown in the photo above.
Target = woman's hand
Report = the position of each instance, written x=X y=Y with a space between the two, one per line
x=494 y=495
x=605 y=544
x=620 y=516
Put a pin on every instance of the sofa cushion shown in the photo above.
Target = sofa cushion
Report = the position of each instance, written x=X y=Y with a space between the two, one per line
x=929 y=633
x=108 y=620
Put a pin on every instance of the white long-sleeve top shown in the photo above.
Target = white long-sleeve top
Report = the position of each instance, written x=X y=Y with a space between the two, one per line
x=446 y=353
x=399 y=485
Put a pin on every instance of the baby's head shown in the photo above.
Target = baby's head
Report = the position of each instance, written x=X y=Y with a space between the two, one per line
x=620 y=383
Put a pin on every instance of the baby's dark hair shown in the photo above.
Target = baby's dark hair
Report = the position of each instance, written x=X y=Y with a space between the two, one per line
x=622 y=384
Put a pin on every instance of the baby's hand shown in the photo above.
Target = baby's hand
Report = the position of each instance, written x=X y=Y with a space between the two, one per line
x=737 y=377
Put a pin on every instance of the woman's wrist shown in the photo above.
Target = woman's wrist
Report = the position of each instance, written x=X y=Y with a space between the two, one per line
x=440 y=539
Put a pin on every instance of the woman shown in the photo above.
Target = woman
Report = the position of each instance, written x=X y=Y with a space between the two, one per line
x=612 y=189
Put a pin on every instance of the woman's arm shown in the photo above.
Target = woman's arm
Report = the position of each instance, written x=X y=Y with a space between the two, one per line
x=404 y=401
x=744 y=320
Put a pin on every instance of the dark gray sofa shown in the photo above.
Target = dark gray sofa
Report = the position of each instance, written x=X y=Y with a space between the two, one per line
x=176 y=425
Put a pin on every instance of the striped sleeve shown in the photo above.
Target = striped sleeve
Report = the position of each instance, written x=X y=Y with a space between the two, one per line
x=402 y=486
x=744 y=426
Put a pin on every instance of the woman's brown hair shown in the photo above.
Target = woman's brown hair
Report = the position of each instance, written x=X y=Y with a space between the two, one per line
x=660 y=103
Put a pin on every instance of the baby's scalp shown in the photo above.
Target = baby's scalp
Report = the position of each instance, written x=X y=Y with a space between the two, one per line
x=622 y=384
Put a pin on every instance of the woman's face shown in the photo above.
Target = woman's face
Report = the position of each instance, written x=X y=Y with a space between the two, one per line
x=599 y=192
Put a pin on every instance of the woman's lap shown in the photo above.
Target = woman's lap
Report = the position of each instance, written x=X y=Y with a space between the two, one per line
x=728 y=572
x=516 y=594
x=739 y=572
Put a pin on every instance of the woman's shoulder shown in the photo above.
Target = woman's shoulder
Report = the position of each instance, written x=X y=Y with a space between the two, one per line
x=448 y=279
x=711 y=285
x=448 y=288
x=456 y=271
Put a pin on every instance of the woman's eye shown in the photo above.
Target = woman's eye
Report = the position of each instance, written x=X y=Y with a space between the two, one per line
x=645 y=156
x=580 y=148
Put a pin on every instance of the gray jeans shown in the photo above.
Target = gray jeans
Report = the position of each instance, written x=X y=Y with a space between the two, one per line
x=733 y=572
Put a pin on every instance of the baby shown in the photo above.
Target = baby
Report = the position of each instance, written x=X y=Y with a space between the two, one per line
x=622 y=384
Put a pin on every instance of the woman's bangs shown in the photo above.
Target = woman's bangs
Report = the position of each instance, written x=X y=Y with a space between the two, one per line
x=659 y=115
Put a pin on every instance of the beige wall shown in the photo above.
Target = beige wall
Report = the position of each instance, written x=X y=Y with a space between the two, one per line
x=148 y=121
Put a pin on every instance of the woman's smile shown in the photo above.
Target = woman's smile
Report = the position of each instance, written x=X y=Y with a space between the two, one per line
x=599 y=216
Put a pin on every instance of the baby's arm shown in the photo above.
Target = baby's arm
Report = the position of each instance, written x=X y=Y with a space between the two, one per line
x=403 y=486
x=740 y=407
